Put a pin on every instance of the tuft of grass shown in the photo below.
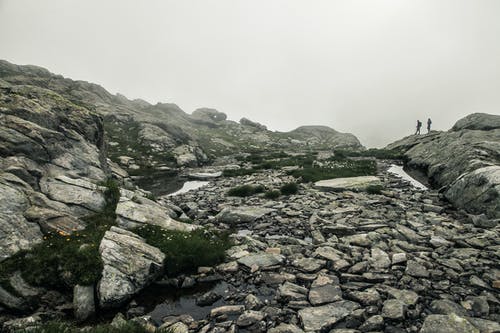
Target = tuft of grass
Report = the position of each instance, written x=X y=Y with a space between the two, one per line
x=272 y=194
x=337 y=169
x=289 y=188
x=374 y=189
x=245 y=190
x=186 y=251
x=238 y=172
x=61 y=261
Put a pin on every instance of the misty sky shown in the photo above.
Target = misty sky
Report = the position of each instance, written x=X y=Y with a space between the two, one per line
x=369 y=67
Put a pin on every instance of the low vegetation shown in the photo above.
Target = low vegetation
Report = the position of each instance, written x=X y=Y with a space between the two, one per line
x=63 y=260
x=374 y=189
x=245 y=190
x=385 y=154
x=336 y=169
x=238 y=172
x=289 y=188
x=272 y=194
x=186 y=251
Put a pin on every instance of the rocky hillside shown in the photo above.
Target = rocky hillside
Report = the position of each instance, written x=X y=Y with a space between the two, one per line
x=465 y=161
x=147 y=135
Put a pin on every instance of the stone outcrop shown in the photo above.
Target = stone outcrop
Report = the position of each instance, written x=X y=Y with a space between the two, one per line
x=464 y=161
x=348 y=184
x=129 y=265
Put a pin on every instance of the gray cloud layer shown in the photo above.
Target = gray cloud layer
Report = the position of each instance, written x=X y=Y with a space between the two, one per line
x=370 y=67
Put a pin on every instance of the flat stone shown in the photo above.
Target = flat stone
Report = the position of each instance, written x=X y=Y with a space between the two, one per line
x=250 y=317
x=349 y=184
x=394 y=309
x=323 y=317
x=324 y=289
x=236 y=215
x=83 y=302
x=309 y=265
x=416 y=269
x=292 y=292
x=447 y=324
x=261 y=260
x=285 y=328
x=227 y=310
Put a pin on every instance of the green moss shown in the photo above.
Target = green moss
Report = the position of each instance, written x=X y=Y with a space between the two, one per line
x=245 y=190
x=186 y=251
x=290 y=188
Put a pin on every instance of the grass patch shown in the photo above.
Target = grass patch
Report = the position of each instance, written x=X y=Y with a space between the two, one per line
x=61 y=261
x=384 y=154
x=186 y=251
x=61 y=327
x=289 y=188
x=238 y=172
x=272 y=194
x=374 y=189
x=245 y=190
x=336 y=169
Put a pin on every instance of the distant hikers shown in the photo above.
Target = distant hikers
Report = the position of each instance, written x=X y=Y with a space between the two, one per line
x=419 y=126
x=429 y=123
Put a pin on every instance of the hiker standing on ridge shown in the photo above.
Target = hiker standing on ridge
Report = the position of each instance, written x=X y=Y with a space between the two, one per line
x=429 y=123
x=419 y=126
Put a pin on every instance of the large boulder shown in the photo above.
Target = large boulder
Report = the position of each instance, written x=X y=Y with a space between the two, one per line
x=129 y=265
x=138 y=211
x=463 y=161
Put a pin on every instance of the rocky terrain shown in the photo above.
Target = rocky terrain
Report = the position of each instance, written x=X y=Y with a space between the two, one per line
x=464 y=161
x=142 y=135
x=82 y=241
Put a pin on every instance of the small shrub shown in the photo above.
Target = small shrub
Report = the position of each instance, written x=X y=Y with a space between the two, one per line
x=272 y=194
x=186 y=251
x=374 y=189
x=290 y=188
x=245 y=190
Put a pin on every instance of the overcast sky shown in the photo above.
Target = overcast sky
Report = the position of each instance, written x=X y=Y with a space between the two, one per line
x=369 y=67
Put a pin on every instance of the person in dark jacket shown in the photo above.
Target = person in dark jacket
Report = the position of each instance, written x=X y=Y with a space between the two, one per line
x=429 y=123
x=419 y=126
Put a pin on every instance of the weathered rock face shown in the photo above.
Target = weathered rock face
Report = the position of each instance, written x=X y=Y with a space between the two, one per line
x=129 y=265
x=465 y=160
x=149 y=131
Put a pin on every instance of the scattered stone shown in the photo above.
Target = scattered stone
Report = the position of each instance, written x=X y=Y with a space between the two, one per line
x=447 y=324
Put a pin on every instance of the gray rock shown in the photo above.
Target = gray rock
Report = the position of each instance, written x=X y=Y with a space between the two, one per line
x=350 y=184
x=379 y=259
x=416 y=269
x=446 y=307
x=292 y=292
x=129 y=265
x=83 y=302
x=323 y=317
x=250 y=317
x=309 y=265
x=447 y=324
x=12 y=302
x=478 y=121
x=235 y=215
x=482 y=221
x=409 y=297
x=394 y=309
x=261 y=260
x=285 y=328
x=227 y=310
x=324 y=289
x=374 y=323
x=132 y=214
x=484 y=326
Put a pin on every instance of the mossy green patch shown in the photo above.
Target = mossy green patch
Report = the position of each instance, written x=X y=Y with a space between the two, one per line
x=186 y=251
